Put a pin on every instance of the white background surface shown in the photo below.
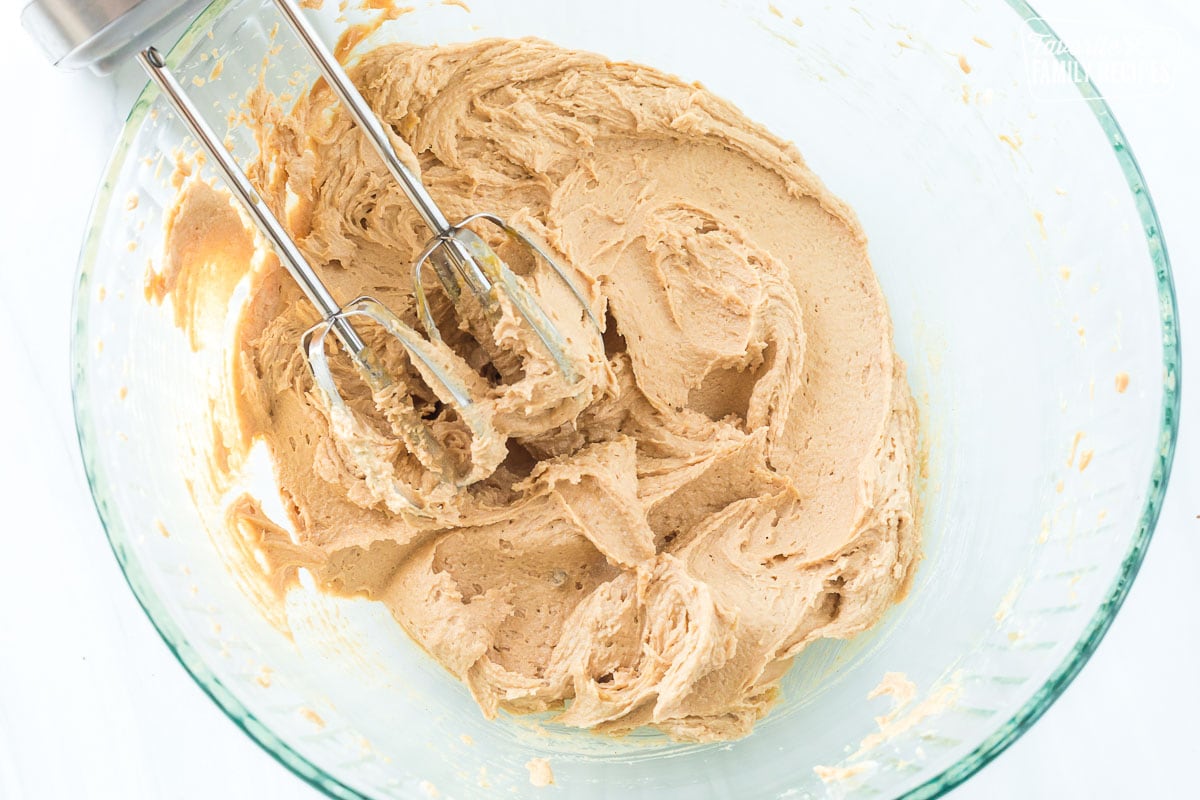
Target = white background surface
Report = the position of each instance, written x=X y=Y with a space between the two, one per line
x=93 y=705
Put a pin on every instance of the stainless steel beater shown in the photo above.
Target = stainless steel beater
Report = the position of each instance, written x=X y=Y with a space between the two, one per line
x=458 y=256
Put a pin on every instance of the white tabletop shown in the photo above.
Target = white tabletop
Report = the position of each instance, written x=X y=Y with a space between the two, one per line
x=93 y=705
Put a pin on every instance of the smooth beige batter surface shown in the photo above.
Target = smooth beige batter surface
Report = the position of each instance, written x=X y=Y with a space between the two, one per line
x=732 y=478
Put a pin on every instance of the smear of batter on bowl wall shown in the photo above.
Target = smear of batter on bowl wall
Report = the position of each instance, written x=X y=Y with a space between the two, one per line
x=540 y=772
x=736 y=481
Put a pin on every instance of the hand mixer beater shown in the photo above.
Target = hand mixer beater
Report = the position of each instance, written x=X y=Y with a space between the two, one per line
x=467 y=268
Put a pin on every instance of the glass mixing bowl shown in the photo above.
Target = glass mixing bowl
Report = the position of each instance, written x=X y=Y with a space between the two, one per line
x=1029 y=285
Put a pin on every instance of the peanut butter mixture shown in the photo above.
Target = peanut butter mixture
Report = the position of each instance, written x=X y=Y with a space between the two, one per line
x=729 y=479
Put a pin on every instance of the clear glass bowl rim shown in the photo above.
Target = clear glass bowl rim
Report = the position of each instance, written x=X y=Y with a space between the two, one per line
x=935 y=786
